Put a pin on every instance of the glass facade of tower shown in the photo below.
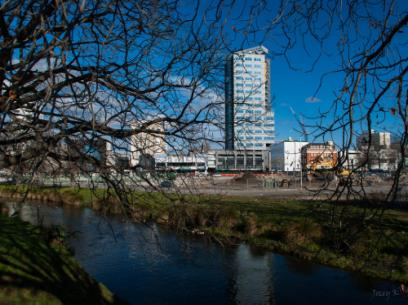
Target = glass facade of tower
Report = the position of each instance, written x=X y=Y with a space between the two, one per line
x=249 y=119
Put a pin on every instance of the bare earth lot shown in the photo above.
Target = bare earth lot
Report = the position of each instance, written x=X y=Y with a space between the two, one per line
x=230 y=186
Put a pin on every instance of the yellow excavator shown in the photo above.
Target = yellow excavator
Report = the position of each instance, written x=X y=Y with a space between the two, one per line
x=322 y=165
x=343 y=172
x=324 y=169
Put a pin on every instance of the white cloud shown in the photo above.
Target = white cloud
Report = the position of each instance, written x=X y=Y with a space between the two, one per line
x=312 y=99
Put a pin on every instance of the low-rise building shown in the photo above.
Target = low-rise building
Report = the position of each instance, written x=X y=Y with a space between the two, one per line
x=319 y=156
x=242 y=160
x=191 y=163
x=286 y=155
x=350 y=159
x=386 y=159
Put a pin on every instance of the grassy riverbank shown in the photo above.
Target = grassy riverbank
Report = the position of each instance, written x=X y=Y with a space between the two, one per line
x=36 y=269
x=358 y=236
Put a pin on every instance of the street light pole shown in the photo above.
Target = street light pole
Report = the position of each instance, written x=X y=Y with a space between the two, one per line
x=300 y=163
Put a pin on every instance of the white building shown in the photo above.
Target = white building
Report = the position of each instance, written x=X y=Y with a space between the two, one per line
x=191 y=163
x=149 y=143
x=286 y=155
x=249 y=119
x=351 y=158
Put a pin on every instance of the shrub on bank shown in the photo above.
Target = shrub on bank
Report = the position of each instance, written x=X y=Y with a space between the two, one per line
x=302 y=232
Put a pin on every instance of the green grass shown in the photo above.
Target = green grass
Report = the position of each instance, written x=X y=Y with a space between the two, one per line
x=348 y=235
x=36 y=268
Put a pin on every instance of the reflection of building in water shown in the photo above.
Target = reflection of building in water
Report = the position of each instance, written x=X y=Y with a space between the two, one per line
x=146 y=244
x=253 y=277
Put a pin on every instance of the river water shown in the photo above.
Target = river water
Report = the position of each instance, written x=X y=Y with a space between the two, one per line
x=150 y=265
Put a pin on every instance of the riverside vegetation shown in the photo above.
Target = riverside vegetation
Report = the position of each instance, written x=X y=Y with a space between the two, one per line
x=37 y=269
x=355 y=236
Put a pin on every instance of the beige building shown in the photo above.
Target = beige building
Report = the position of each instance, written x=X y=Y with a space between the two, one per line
x=147 y=143
x=378 y=154
x=379 y=140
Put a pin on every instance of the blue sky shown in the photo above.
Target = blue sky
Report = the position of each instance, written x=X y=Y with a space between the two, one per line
x=294 y=90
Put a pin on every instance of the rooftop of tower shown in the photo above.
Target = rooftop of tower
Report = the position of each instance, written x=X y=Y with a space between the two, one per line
x=255 y=50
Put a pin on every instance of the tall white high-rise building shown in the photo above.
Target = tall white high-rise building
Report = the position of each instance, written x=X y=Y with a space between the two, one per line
x=249 y=119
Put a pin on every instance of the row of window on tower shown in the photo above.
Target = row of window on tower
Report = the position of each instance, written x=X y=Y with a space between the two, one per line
x=246 y=65
x=252 y=85
x=268 y=138
x=248 y=78
x=251 y=145
x=248 y=91
x=247 y=58
x=249 y=98
x=259 y=118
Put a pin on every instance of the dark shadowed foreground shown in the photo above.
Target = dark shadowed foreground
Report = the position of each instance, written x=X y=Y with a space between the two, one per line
x=35 y=268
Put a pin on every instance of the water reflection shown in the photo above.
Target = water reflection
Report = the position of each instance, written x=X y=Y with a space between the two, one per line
x=253 y=277
x=150 y=265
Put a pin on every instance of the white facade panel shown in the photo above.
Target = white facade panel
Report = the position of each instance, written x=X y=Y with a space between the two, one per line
x=286 y=156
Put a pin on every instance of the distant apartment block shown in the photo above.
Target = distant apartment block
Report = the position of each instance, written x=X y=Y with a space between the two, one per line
x=378 y=151
x=249 y=118
x=379 y=140
x=149 y=143
x=286 y=155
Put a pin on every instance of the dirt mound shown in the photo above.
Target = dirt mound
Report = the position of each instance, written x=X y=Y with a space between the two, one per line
x=246 y=178
x=404 y=179
x=373 y=179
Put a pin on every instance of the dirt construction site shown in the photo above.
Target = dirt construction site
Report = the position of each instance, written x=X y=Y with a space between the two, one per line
x=288 y=186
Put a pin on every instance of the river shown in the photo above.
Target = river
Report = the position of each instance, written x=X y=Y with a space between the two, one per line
x=151 y=265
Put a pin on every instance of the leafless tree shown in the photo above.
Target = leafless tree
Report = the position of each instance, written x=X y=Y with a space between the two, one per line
x=80 y=80
x=366 y=41
x=76 y=74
